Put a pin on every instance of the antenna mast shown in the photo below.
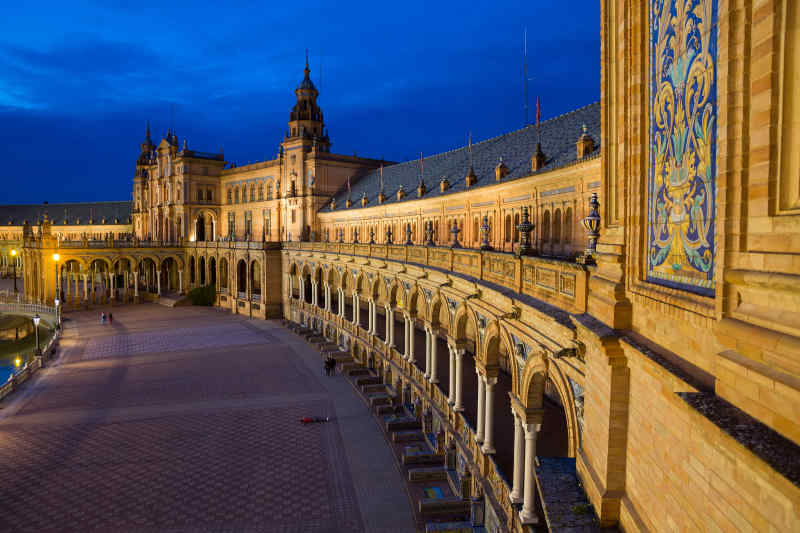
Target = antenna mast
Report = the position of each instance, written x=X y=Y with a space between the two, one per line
x=525 y=71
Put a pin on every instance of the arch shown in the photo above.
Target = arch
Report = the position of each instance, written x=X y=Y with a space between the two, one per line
x=557 y=225
x=255 y=277
x=466 y=328
x=546 y=226
x=495 y=341
x=568 y=225
x=241 y=277
x=332 y=277
x=202 y=270
x=191 y=270
x=516 y=227
x=508 y=228
x=439 y=315
x=538 y=372
x=200 y=228
x=212 y=270
x=223 y=272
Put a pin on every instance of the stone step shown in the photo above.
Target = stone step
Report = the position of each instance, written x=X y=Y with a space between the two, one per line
x=449 y=506
x=386 y=410
x=412 y=435
x=427 y=473
x=359 y=371
x=349 y=366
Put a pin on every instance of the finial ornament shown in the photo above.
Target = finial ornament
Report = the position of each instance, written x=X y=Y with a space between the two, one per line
x=485 y=245
x=455 y=231
x=429 y=232
x=525 y=227
x=592 y=225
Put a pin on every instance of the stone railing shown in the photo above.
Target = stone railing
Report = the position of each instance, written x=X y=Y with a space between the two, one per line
x=496 y=487
x=30 y=368
x=13 y=308
x=559 y=282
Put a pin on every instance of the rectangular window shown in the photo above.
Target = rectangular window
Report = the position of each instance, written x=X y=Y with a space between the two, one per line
x=293 y=216
x=231 y=224
x=248 y=225
x=230 y=196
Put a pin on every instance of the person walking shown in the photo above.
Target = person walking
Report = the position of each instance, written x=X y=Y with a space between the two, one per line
x=103 y=318
x=111 y=319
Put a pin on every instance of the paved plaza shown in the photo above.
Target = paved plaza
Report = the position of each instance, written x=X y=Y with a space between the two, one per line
x=187 y=419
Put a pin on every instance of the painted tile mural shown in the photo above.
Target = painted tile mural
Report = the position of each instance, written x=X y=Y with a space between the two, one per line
x=683 y=136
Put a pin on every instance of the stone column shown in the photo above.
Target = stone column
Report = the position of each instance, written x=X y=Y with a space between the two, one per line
x=405 y=336
x=481 y=404
x=370 y=303
x=434 y=362
x=341 y=303
x=519 y=459
x=386 y=325
x=451 y=397
x=427 y=354
x=356 y=309
x=488 y=434
x=390 y=323
x=314 y=293
x=459 y=356
x=180 y=281
x=528 y=513
x=158 y=281
x=113 y=285
x=86 y=288
x=410 y=341
x=327 y=298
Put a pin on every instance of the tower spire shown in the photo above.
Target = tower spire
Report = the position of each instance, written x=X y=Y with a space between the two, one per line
x=307 y=70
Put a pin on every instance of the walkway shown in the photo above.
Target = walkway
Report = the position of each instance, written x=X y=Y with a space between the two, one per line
x=187 y=419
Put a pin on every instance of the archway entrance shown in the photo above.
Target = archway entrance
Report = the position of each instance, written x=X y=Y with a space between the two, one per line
x=212 y=270
x=241 y=279
x=200 y=229
x=202 y=268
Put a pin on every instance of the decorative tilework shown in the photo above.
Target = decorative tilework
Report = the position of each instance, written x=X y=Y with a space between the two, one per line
x=683 y=123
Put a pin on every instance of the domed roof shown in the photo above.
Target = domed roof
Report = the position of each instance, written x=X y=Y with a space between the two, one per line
x=307 y=83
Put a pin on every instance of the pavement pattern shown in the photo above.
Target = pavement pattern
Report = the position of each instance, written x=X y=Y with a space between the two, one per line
x=187 y=419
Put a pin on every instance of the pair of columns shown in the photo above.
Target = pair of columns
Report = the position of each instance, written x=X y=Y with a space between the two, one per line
x=485 y=434
x=456 y=397
x=372 y=317
x=431 y=373
x=524 y=484
x=356 y=309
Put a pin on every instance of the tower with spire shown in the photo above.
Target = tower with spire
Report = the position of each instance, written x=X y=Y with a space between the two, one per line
x=306 y=123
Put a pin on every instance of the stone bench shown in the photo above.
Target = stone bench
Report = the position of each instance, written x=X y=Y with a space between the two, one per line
x=425 y=458
x=449 y=527
x=447 y=506
x=367 y=380
x=427 y=473
x=371 y=388
x=359 y=371
x=376 y=400
x=412 y=435
x=403 y=423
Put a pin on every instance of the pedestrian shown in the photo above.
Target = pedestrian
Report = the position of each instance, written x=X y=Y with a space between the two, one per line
x=111 y=319
x=102 y=318
x=325 y=368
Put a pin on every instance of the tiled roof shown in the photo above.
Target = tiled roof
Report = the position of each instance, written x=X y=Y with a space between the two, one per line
x=16 y=215
x=558 y=138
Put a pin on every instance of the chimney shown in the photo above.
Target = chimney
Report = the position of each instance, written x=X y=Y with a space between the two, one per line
x=471 y=178
x=585 y=144
x=538 y=159
x=500 y=171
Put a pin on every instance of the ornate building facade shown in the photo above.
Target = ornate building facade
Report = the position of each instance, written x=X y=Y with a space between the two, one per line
x=647 y=372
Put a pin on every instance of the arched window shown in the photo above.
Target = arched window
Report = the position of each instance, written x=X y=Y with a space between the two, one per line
x=260 y=193
x=476 y=232
x=269 y=191
x=252 y=193
x=236 y=196
x=508 y=228
x=557 y=226
x=546 y=226
x=230 y=196
x=568 y=225
x=516 y=225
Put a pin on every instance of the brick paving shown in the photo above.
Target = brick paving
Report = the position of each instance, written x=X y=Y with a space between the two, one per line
x=179 y=419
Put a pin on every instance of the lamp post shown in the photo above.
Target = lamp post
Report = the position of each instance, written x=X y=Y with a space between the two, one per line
x=56 y=257
x=58 y=312
x=36 y=323
x=14 y=262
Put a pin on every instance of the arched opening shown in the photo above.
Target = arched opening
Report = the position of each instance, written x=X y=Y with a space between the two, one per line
x=498 y=359
x=223 y=273
x=191 y=271
x=212 y=270
x=557 y=226
x=553 y=439
x=202 y=270
x=241 y=279
x=568 y=225
x=320 y=295
x=546 y=226
x=508 y=228
x=255 y=281
x=169 y=276
x=99 y=282
x=147 y=276
x=307 y=287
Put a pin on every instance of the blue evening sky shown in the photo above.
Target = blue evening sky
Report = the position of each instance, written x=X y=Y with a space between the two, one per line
x=78 y=80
